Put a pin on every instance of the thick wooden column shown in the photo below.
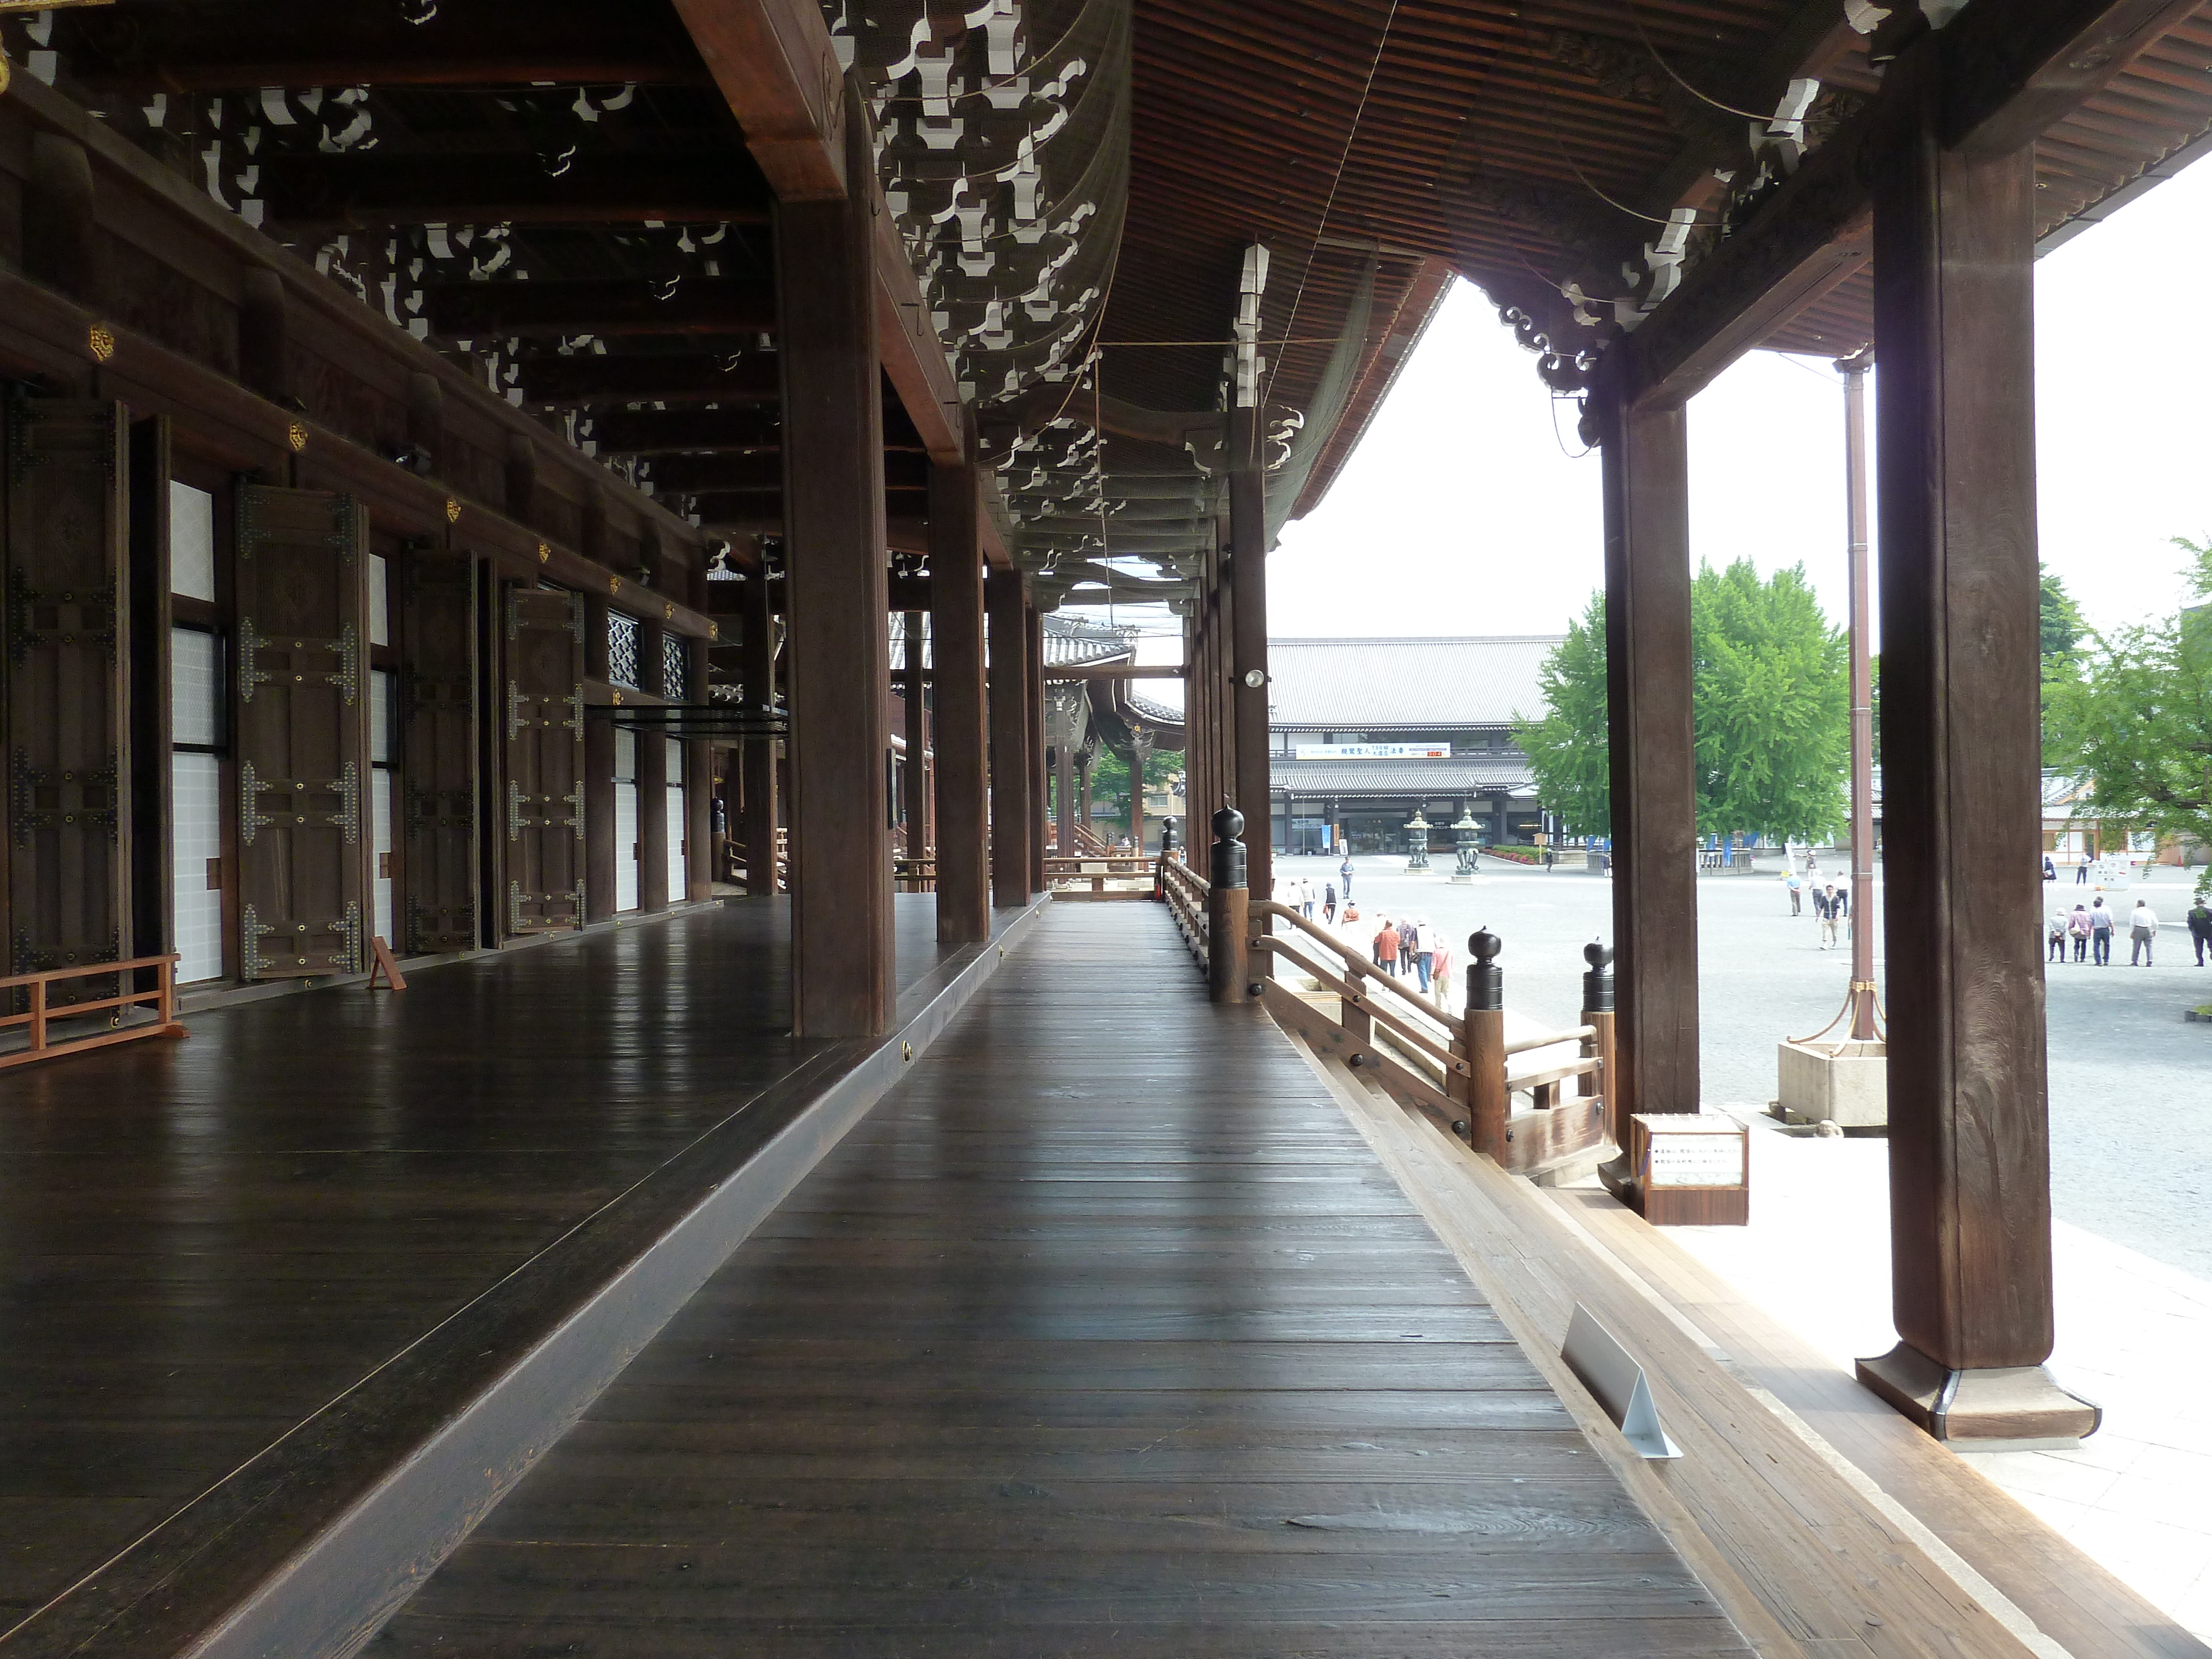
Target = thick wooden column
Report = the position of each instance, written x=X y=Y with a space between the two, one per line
x=1650 y=735
x=654 y=829
x=600 y=849
x=913 y=781
x=757 y=830
x=1969 y=1138
x=963 y=735
x=1063 y=794
x=837 y=596
x=1033 y=712
x=1010 y=738
x=1247 y=579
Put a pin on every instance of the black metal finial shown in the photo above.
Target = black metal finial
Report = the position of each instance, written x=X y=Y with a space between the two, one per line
x=1228 y=869
x=1485 y=980
x=1168 y=838
x=1597 y=984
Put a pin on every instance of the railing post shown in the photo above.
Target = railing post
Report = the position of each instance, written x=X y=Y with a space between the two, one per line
x=1167 y=851
x=37 y=1015
x=1227 y=912
x=1486 y=1046
x=1351 y=1014
x=1597 y=1014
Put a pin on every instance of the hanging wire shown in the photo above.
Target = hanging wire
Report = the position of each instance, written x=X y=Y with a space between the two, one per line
x=1336 y=179
x=1637 y=17
x=1537 y=59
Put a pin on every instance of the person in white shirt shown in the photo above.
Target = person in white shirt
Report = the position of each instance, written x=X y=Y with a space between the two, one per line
x=1305 y=898
x=2143 y=928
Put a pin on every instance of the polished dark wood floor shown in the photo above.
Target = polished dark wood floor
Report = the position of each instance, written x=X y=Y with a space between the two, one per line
x=1105 y=1334
x=206 y=1242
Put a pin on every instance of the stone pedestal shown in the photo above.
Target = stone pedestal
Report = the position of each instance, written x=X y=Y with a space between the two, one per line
x=1846 y=1083
x=2003 y=1408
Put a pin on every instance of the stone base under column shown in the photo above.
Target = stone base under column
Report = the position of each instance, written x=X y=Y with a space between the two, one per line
x=2009 y=1408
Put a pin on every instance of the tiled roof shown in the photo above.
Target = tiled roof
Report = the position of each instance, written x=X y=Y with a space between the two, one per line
x=1460 y=774
x=1424 y=684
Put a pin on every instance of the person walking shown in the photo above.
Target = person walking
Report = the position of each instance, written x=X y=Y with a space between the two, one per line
x=1424 y=951
x=1385 y=948
x=2055 y=938
x=1797 y=886
x=2049 y=870
x=1827 y=904
x=1550 y=859
x=1305 y=898
x=2142 y=930
x=2100 y=933
x=2077 y=928
x=1328 y=905
x=1440 y=969
x=1344 y=875
x=1409 y=933
x=2081 y=871
x=2200 y=928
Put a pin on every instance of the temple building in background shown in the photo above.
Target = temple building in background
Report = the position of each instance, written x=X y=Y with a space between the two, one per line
x=1363 y=732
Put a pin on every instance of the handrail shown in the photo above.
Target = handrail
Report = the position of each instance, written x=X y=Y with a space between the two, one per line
x=42 y=1047
x=1398 y=1024
x=1361 y=969
x=1187 y=894
x=1548 y=1038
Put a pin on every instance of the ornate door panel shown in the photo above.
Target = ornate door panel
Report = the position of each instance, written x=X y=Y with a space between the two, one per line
x=437 y=710
x=302 y=732
x=64 y=684
x=544 y=760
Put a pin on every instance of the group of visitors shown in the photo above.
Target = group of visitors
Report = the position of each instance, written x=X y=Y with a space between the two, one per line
x=2088 y=930
x=1297 y=892
x=1413 y=946
x=1832 y=905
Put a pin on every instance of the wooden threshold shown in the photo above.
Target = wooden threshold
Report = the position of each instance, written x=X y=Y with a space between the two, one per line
x=1809 y=1551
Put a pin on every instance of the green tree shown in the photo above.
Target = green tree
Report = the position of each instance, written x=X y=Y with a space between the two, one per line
x=1566 y=749
x=1109 y=773
x=2062 y=632
x=2135 y=723
x=1771 y=708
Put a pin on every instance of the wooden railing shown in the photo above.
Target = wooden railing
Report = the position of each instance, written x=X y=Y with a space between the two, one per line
x=916 y=873
x=1186 y=893
x=1093 y=871
x=1456 y=1068
x=44 y=1045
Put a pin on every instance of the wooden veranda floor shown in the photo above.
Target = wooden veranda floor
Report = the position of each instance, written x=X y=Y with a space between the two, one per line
x=1105 y=1334
x=208 y=1246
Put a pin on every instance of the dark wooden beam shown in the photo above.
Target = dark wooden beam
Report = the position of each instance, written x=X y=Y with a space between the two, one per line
x=380 y=190
x=2013 y=71
x=958 y=706
x=1649 y=679
x=675 y=431
x=691 y=306
x=761 y=512
x=844 y=982
x=588 y=378
x=242 y=45
x=1247 y=657
x=2009 y=72
x=1969 y=1131
x=1009 y=715
x=689 y=473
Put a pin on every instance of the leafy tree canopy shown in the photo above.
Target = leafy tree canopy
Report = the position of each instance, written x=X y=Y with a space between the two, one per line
x=2062 y=627
x=2135 y=724
x=1772 y=705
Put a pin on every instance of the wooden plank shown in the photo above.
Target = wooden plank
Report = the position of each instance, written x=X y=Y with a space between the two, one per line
x=837 y=598
x=850 y=1438
x=2071 y=1598
x=1654 y=798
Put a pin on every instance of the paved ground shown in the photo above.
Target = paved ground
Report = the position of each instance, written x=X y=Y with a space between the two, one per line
x=2130 y=1082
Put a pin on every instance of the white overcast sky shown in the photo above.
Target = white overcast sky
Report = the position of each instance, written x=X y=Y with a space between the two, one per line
x=1468 y=507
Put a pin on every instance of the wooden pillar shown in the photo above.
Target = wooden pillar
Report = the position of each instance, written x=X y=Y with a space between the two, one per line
x=1969 y=1135
x=600 y=849
x=1063 y=791
x=1009 y=741
x=1084 y=763
x=963 y=735
x=1650 y=735
x=837 y=594
x=1247 y=579
x=1033 y=712
x=757 y=828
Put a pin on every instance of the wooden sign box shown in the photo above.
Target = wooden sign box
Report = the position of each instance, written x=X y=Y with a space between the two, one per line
x=1689 y=1170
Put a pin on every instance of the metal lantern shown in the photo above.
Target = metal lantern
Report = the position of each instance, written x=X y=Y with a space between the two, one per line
x=1467 y=834
x=1416 y=842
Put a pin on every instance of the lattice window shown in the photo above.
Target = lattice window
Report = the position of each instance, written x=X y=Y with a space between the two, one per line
x=675 y=667
x=622 y=650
